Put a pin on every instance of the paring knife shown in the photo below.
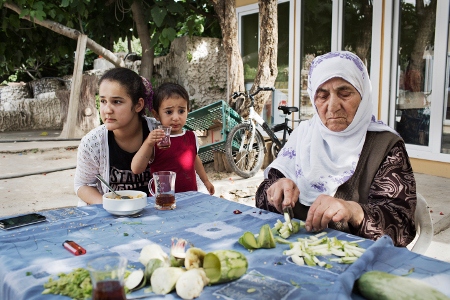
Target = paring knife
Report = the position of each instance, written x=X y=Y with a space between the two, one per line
x=288 y=216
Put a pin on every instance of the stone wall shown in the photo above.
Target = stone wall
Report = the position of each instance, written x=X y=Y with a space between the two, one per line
x=198 y=64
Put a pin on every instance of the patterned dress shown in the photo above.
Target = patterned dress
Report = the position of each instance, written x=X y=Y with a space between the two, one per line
x=391 y=203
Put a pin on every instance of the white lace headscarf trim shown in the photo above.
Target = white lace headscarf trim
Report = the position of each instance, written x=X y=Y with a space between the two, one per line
x=317 y=159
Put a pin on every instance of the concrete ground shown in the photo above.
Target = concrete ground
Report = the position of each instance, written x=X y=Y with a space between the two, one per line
x=37 y=170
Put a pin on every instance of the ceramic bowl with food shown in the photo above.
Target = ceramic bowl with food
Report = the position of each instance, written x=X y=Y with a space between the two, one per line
x=124 y=207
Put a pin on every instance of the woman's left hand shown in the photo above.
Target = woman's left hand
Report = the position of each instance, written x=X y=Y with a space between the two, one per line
x=326 y=208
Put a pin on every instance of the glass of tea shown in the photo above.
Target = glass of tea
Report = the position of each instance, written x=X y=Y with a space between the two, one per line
x=164 y=189
x=107 y=276
x=165 y=142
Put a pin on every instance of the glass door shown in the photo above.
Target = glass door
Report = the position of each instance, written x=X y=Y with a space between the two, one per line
x=249 y=41
x=357 y=29
x=349 y=22
x=315 y=40
x=445 y=142
x=417 y=21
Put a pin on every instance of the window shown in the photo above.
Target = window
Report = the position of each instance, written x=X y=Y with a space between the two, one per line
x=315 y=40
x=415 y=69
x=357 y=33
x=249 y=33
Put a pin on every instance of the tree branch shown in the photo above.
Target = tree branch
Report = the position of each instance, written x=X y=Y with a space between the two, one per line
x=70 y=33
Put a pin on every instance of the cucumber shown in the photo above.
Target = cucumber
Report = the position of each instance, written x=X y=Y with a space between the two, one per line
x=384 y=286
x=248 y=241
x=152 y=265
x=224 y=265
x=136 y=280
x=265 y=239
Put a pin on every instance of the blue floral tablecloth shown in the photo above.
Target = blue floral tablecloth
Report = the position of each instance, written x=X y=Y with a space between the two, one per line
x=32 y=254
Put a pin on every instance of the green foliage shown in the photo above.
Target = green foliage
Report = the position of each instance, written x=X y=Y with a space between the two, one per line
x=158 y=14
x=40 y=52
x=122 y=45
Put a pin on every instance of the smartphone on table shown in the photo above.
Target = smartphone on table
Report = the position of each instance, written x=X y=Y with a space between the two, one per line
x=19 y=221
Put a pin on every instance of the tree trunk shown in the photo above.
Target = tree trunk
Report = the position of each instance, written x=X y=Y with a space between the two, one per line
x=70 y=33
x=426 y=23
x=226 y=11
x=144 y=35
x=268 y=52
x=88 y=115
x=363 y=44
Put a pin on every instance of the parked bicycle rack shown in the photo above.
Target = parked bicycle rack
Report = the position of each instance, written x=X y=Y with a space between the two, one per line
x=212 y=124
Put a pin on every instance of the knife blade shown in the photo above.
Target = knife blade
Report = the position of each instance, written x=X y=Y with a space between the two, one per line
x=288 y=215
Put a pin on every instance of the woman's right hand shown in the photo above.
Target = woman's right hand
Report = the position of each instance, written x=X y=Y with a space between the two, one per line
x=283 y=192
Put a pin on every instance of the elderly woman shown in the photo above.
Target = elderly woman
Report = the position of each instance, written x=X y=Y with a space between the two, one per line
x=342 y=169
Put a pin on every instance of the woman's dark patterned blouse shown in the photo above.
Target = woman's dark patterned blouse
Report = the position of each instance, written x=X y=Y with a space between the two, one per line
x=392 y=199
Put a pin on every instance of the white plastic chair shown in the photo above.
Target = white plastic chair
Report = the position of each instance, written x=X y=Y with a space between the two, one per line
x=424 y=226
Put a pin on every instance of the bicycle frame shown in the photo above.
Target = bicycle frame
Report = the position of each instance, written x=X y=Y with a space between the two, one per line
x=254 y=117
x=245 y=147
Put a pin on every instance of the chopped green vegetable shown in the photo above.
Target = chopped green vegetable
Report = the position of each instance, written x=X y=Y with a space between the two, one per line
x=305 y=250
x=152 y=265
x=125 y=234
x=29 y=273
x=295 y=284
x=76 y=284
x=135 y=280
x=194 y=258
x=265 y=239
x=287 y=228
x=248 y=240
x=224 y=265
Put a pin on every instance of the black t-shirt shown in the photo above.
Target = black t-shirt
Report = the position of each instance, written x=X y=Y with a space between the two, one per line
x=120 y=175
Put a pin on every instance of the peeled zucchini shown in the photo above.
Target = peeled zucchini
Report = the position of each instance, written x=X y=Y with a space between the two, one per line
x=379 y=285
x=265 y=239
x=136 y=280
x=224 y=265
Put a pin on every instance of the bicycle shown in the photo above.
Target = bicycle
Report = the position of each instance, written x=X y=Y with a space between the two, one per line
x=245 y=148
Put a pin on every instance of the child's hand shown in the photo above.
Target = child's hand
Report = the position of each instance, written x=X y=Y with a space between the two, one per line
x=155 y=136
x=209 y=187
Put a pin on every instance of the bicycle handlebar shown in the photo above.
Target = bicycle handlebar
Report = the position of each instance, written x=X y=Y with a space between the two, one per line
x=258 y=89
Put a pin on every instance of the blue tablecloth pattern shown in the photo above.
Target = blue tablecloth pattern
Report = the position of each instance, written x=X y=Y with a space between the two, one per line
x=209 y=223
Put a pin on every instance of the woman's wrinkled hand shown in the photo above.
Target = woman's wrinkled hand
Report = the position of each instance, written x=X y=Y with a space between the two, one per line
x=326 y=208
x=283 y=192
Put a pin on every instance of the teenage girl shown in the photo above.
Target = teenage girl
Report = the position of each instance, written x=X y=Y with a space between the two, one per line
x=109 y=149
x=171 y=107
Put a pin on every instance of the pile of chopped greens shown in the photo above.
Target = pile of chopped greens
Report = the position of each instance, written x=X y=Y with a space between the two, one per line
x=76 y=285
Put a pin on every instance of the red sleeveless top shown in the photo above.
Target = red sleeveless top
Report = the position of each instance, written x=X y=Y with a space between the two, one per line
x=179 y=158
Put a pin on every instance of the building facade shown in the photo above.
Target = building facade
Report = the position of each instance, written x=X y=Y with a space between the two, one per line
x=404 y=43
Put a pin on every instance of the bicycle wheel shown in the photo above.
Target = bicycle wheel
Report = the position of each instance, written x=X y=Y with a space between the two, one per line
x=275 y=150
x=249 y=159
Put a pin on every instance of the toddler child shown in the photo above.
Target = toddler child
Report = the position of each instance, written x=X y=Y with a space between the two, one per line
x=171 y=107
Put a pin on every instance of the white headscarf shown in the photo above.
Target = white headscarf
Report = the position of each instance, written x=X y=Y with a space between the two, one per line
x=317 y=159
